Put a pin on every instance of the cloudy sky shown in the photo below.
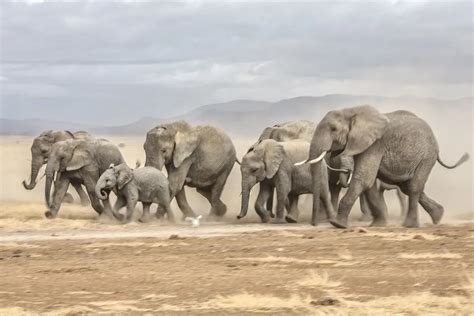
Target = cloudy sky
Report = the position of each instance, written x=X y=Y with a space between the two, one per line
x=103 y=62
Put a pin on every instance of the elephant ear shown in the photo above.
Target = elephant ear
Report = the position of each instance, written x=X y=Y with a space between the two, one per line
x=124 y=175
x=273 y=157
x=48 y=135
x=266 y=134
x=185 y=144
x=80 y=158
x=366 y=126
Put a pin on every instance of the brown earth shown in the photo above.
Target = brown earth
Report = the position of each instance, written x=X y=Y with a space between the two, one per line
x=280 y=271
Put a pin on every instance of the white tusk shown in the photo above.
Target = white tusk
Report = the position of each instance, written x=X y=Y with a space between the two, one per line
x=300 y=163
x=350 y=178
x=318 y=159
x=338 y=170
x=312 y=161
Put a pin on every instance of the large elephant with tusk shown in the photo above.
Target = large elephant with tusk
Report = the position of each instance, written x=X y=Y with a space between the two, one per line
x=40 y=151
x=398 y=148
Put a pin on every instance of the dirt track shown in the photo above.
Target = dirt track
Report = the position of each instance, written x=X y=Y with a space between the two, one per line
x=219 y=269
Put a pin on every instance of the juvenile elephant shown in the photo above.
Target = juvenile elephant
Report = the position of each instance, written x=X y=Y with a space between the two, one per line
x=271 y=162
x=80 y=161
x=201 y=157
x=147 y=185
x=398 y=148
x=40 y=151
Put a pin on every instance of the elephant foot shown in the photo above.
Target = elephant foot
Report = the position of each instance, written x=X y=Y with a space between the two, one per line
x=85 y=203
x=411 y=224
x=365 y=218
x=213 y=218
x=50 y=215
x=265 y=219
x=145 y=219
x=338 y=222
x=68 y=198
x=378 y=223
x=279 y=220
x=272 y=215
x=291 y=219
x=436 y=215
x=314 y=223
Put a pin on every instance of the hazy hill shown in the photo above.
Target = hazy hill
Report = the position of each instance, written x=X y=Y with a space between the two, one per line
x=249 y=117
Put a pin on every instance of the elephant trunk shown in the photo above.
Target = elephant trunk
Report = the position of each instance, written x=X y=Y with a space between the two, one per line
x=244 y=203
x=347 y=163
x=50 y=172
x=99 y=190
x=157 y=163
x=35 y=167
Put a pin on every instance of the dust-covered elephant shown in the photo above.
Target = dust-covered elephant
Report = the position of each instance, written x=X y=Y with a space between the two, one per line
x=82 y=161
x=40 y=150
x=398 y=148
x=201 y=157
x=271 y=164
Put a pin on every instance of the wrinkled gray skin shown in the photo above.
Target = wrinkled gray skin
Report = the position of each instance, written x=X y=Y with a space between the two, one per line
x=147 y=185
x=40 y=150
x=201 y=157
x=82 y=161
x=398 y=148
x=270 y=163
x=304 y=130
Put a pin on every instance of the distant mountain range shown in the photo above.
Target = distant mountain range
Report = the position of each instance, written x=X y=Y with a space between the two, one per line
x=248 y=117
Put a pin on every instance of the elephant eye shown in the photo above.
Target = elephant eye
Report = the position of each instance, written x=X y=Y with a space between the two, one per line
x=333 y=128
x=254 y=170
x=163 y=150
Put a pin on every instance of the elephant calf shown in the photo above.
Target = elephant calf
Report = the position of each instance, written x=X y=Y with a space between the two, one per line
x=147 y=185
x=269 y=163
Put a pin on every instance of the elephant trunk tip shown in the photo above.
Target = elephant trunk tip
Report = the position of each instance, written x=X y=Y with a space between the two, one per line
x=29 y=186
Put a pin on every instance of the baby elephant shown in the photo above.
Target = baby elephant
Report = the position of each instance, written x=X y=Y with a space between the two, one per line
x=147 y=185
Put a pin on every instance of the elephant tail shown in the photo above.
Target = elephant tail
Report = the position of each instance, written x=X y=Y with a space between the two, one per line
x=463 y=159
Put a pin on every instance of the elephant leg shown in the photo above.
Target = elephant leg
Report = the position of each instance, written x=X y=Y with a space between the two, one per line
x=95 y=202
x=206 y=192
x=82 y=195
x=131 y=204
x=376 y=206
x=345 y=206
x=121 y=202
x=402 y=198
x=216 y=191
x=434 y=209
x=266 y=190
x=270 y=203
x=282 y=189
x=293 y=212
x=411 y=220
x=326 y=198
x=365 y=209
x=146 y=213
x=335 y=191
x=183 y=204
x=60 y=189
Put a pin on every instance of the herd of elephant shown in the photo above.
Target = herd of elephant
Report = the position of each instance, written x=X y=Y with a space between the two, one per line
x=358 y=148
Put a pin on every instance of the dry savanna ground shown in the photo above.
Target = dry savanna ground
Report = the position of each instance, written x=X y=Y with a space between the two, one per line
x=77 y=265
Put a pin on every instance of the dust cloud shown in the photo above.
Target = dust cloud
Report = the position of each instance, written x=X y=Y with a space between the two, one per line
x=452 y=188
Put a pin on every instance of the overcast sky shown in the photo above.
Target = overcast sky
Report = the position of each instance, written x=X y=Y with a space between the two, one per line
x=65 y=61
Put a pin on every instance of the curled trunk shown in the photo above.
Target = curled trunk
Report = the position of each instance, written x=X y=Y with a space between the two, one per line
x=100 y=193
x=35 y=167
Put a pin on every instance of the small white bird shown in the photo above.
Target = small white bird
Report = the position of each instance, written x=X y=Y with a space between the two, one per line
x=194 y=220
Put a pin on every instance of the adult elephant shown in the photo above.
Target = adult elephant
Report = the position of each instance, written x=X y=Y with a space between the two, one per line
x=201 y=157
x=81 y=161
x=40 y=151
x=398 y=148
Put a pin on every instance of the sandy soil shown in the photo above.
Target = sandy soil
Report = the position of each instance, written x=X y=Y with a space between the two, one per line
x=76 y=264
x=218 y=269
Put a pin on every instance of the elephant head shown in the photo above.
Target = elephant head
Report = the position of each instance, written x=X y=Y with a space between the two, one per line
x=116 y=176
x=261 y=162
x=349 y=131
x=40 y=150
x=170 y=144
x=69 y=155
